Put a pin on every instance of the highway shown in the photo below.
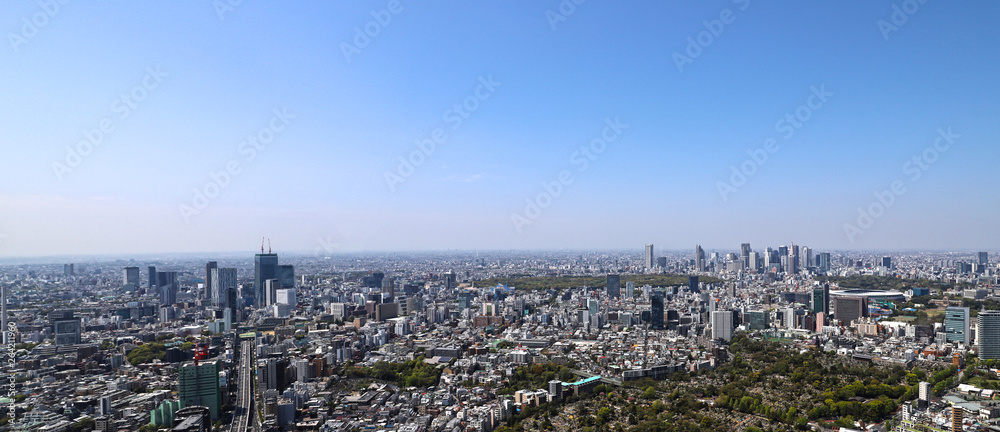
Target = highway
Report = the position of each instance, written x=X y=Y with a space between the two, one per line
x=243 y=411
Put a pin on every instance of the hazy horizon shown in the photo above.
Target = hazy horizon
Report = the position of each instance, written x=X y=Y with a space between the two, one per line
x=394 y=126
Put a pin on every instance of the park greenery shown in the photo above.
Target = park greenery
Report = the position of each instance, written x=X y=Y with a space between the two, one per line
x=536 y=376
x=770 y=380
x=600 y=281
x=145 y=353
x=413 y=373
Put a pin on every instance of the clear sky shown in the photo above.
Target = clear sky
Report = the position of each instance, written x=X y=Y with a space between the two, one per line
x=180 y=86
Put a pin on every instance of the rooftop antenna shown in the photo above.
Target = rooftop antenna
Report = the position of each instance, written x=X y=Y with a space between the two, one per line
x=268 y=246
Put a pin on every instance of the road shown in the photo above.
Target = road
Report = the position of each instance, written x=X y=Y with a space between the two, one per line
x=243 y=411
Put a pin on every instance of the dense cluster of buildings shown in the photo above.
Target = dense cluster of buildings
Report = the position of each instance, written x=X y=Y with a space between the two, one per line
x=97 y=342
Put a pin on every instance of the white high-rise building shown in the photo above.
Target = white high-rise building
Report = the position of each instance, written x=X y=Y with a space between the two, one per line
x=722 y=325
x=925 y=390
x=988 y=334
x=650 y=261
x=286 y=296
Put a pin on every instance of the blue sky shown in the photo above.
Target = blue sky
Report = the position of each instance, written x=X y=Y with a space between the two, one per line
x=321 y=183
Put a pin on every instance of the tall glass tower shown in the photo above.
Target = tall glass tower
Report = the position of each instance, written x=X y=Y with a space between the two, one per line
x=265 y=266
x=988 y=335
x=956 y=324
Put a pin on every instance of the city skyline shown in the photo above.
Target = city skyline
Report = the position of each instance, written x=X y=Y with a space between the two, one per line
x=390 y=126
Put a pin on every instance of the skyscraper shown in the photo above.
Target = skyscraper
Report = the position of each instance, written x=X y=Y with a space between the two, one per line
x=885 y=262
x=223 y=286
x=265 y=266
x=130 y=275
x=699 y=258
x=656 y=310
x=166 y=285
x=824 y=261
x=199 y=385
x=613 y=285
x=286 y=275
x=821 y=300
x=984 y=258
x=956 y=324
x=649 y=256
x=152 y=277
x=793 y=260
x=271 y=287
x=693 y=284
x=207 y=292
x=988 y=335
x=722 y=325
x=745 y=254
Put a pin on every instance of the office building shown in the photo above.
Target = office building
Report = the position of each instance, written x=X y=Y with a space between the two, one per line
x=885 y=262
x=68 y=270
x=745 y=254
x=824 y=261
x=286 y=296
x=699 y=258
x=821 y=300
x=198 y=383
x=988 y=335
x=788 y=318
x=223 y=286
x=984 y=258
x=130 y=275
x=722 y=325
x=285 y=274
x=757 y=320
x=613 y=284
x=649 y=256
x=265 y=266
x=849 y=308
x=152 y=277
x=66 y=327
x=271 y=287
x=166 y=285
x=956 y=324
x=206 y=293
x=656 y=310
x=693 y=285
